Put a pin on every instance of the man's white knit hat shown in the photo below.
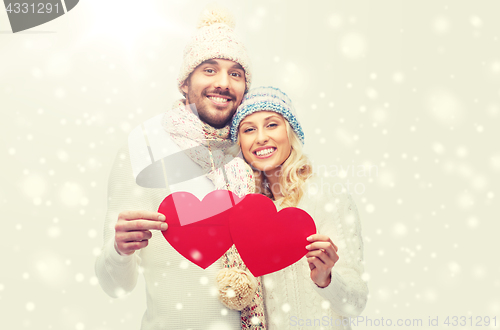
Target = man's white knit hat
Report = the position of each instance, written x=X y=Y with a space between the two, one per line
x=214 y=38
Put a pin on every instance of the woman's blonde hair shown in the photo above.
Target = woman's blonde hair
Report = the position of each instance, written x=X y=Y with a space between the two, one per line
x=293 y=173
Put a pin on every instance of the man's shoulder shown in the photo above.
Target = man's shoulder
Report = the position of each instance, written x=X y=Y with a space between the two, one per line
x=148 y=143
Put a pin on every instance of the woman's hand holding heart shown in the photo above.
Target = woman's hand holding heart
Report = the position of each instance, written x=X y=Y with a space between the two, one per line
x=321 y=257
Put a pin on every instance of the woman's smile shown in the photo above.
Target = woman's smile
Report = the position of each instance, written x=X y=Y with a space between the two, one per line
x=264 y=152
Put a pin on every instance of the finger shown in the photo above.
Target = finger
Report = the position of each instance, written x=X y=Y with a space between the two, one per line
x=311 y=265
x=315 y=254
x=135 y=215
x=319 y=245
x=318 y=237
x=323 y=238
x=317 y=263
x=327 y=246
x=140 y=225
x=328 y=260
x=120 y=249
x=133 y=236
x=134 y=246
x=322 y=256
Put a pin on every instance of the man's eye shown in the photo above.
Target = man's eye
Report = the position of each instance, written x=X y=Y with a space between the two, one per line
x=209 y=70
x=236 y=74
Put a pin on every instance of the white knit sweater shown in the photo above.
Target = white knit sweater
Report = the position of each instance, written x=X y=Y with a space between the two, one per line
x=292 y=299
x=180 y=295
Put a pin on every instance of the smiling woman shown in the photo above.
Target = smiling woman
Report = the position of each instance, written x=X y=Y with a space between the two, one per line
x=326 y=284
x=271 y=138
x=264 y=141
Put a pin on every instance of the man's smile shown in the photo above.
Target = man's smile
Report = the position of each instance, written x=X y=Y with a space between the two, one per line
x=218 y=99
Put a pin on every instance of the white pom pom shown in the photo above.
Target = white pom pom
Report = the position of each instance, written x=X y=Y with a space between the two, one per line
x=215 y=14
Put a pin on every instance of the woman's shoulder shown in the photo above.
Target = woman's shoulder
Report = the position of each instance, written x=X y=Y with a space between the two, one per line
x=326 y=197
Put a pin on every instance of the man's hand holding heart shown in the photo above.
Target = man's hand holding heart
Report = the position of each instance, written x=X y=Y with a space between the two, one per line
x=133 y=230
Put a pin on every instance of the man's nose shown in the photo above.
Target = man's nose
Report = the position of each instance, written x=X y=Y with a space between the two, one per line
x=222 y=80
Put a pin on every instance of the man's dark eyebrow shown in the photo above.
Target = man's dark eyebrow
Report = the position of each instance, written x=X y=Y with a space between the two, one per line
x=211 y=61
x=237 y=66
x=214 y=62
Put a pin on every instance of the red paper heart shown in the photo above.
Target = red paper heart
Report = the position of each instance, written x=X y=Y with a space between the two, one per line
x=199 y=230
x=268 y=240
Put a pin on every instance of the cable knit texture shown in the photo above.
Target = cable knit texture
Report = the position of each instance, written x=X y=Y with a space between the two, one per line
x=266 y=99
x=291 y=297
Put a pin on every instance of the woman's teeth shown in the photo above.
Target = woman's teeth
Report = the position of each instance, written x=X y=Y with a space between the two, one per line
x=264 y=152
x=218 y=99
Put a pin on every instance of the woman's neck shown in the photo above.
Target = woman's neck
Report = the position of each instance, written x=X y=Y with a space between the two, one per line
x=273 y=177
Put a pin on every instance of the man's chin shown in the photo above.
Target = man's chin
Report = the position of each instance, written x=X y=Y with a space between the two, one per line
x=216 y=123
x=217 y=126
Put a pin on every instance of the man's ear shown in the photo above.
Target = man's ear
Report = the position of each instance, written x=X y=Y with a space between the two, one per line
x=185 y=87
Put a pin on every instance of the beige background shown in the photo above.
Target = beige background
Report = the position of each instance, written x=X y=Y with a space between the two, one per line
x=411 y=87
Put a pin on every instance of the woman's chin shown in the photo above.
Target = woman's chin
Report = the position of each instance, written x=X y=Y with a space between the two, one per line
x=267 y=170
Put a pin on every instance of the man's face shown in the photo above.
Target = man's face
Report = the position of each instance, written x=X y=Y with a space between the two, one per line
x=216 y=87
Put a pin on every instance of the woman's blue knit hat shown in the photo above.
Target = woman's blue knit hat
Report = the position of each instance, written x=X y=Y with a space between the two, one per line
x=266 y=99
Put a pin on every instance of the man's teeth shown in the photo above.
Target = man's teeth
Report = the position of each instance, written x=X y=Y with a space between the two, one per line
x=218 y=99
x=264 y=152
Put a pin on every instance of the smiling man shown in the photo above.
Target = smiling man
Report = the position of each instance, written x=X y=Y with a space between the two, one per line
x=216 y=88
x=191 y=137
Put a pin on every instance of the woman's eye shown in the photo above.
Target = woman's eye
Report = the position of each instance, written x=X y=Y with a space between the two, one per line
x=248 y=130
x=273 y=125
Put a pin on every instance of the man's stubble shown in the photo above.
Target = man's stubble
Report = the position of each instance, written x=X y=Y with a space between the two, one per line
x=199 y=103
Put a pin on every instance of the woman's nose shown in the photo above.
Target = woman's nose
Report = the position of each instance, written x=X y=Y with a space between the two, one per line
x=262 y=137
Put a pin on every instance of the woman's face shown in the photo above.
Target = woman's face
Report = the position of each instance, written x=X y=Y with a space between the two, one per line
x=264 y=140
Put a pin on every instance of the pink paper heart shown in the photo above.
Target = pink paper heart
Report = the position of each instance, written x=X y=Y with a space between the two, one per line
x=268 y=240
x=199 y=230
